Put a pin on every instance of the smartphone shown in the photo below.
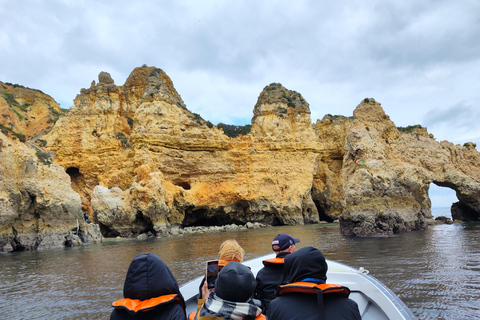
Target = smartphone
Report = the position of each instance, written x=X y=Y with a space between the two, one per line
x=212 y=273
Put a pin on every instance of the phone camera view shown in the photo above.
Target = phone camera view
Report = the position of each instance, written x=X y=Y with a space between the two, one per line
x=212 y=273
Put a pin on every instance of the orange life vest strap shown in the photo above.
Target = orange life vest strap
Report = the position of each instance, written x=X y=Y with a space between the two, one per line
x=137 y=305
x=310 y=287
x=273 y=261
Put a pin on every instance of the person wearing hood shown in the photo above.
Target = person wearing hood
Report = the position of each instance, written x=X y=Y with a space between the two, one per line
x=150 y=292
x=232 y=298
x=307 y=296
x=272 y=275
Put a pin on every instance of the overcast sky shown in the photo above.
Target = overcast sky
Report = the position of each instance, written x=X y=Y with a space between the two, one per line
x=419 y=59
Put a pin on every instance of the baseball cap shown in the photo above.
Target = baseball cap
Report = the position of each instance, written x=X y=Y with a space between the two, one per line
x=282 y=241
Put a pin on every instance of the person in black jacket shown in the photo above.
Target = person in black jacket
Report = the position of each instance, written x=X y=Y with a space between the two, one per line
x=307 y=268
x=232 y=298
x=271 y=276
x=150 y=292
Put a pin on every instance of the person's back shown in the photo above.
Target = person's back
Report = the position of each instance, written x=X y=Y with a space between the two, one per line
x=150 y=292
x=167 y=312
x=271 y=276
x=302 y=299
x=304 y=306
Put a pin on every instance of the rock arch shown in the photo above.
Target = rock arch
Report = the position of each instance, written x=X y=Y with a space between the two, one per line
x=387 y=173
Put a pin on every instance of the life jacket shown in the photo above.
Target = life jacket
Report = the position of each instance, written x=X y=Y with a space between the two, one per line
x=273 y=261
x=314 y=288
x=137 y=305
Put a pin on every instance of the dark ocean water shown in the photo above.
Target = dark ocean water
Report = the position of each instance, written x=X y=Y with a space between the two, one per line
x=435 y=272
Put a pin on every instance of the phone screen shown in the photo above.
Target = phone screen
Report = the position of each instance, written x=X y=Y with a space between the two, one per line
x=212 y=273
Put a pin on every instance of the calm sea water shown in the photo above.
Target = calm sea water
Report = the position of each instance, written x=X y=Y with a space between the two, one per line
x=435 y=272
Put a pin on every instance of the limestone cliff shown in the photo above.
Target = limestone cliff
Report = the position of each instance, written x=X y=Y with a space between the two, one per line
x=387 y=174
x=174 y=168
x=26 y=113
x=142 y=162
x=38 y=208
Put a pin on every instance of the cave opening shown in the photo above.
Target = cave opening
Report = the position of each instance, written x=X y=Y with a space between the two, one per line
x=276 y=222
x=442 y=197
x=145 y=224
x=183 y=184
x=321 y=212
x=73 y=172
x=195 y=217
x=107 y=232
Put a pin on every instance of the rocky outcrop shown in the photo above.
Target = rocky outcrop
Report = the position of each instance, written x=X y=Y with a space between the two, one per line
x=175 y=169
x=387 y=174
x=26 y=113
x=142 y=163
x=38 y=208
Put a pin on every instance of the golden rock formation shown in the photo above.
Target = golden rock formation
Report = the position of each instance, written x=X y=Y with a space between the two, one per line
x=142 y=162
x=173 y=168
x=25 y=112
x=38 y=208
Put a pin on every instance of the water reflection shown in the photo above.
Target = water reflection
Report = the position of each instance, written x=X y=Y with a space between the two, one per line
x=435 y=272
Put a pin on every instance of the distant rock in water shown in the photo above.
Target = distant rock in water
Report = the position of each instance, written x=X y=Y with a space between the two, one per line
x=444 y=220
x=143 y=164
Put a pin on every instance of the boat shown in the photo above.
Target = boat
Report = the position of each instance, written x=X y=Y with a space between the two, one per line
x=375 y=301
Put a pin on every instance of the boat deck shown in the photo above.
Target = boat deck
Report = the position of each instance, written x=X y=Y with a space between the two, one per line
x=375 y=301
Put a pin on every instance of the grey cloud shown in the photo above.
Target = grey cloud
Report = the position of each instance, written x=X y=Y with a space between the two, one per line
x=220 y=55
x=460 y=114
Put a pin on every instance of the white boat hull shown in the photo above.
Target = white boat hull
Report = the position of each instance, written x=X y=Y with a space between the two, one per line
x=374 y=299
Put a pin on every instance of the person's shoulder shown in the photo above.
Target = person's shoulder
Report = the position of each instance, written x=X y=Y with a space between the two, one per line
x=342 y=307
x=261 y=271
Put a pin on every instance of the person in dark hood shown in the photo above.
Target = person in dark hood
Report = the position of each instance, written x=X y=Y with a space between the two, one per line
x=232 y=298
x=272 y=275
x=307 y=296
x=150 y=292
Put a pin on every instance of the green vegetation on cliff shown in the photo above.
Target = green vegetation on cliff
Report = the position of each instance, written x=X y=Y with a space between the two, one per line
x=233 y=131
x=409 y=129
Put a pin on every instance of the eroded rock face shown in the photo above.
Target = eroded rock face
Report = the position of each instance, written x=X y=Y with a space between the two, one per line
x=38 y=208
x=142 y=163
x=386 y=175
x=26 y=113
x=173 y=169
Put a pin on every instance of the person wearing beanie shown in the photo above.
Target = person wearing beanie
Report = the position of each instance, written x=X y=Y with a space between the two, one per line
x=150 y=292
x=232 y=298
x=271 y=276
x=230 y=250
x=307 y=296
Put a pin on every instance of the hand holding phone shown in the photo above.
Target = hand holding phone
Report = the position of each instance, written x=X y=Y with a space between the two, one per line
x=211 y=273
